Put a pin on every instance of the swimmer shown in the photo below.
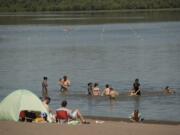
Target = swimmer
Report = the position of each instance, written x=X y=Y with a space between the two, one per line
x=113 y=93
x=167 y=90
x=65 y=84
x=132 y=93
x=96 y=90
x=106 y=91
x=90 y=88
x=136 y=88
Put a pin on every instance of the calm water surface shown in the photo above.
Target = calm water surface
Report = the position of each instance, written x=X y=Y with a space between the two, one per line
x=112 y=48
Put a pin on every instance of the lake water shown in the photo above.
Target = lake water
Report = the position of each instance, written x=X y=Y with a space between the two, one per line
x=103 y=47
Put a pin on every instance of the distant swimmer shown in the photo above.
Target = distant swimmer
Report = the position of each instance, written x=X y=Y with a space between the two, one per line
x=90 y=88
x=44 y=87
x=64 y=83
x=136 y=88
x=96 y=90
x=106 y=91
x=113 y=93
x=167 y=90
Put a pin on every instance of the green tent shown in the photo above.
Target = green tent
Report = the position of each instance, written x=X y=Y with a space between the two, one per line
x=17 y=101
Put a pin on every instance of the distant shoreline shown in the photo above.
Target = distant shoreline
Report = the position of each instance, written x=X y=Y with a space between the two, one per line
x=85 y=5
x=96 y=11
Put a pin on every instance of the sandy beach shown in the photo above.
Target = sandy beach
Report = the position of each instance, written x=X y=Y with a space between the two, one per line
x=106 y=128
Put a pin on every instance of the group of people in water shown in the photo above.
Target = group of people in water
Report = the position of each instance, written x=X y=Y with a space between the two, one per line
x=63 y=83
x=94 y=90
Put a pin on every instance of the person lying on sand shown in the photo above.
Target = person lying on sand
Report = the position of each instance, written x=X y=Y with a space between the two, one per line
x=76 y=114
x=167 y=90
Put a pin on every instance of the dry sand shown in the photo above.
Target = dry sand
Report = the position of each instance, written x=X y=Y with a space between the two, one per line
x=107 y=128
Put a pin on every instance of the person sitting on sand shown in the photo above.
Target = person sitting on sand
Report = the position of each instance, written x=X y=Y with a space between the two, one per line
x=136 y=116
x=46 y=103
x=106 y=91
x=136 y=88
x=65 y=84
x=96 y=90
x=113 y=93
x=90 y=88
x=76 y=114
x=167 y=90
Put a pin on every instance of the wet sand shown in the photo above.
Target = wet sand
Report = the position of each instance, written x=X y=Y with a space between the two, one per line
x=106 y=128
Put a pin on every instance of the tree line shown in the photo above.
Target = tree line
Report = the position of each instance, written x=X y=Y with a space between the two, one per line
x=78 y=5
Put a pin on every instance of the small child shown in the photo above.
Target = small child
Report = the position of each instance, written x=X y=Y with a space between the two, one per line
x=136 y=116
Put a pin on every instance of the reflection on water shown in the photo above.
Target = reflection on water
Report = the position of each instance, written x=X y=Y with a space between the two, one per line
x=136 y=103
x=104 y=50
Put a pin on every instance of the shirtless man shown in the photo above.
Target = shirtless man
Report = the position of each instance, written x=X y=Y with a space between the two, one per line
x=106 y=91
x=113 y=93
x=72 y=114
x=65 y=84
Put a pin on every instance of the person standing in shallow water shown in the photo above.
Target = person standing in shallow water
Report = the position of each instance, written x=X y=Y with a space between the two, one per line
x=90 y=88
x=44 y=88
x=96 y=90
x=106 y=91
x=136 y=87
x=168 y=91
x=65 y=84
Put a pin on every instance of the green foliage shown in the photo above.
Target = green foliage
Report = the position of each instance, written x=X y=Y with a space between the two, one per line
x=75 y=5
